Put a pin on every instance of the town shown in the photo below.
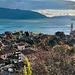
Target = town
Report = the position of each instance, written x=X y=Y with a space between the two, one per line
x=45 y=52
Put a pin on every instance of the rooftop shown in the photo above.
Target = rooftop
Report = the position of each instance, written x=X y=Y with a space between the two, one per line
x=2 y=52
x=28 y=51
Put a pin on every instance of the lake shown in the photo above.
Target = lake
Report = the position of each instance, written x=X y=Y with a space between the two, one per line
x=46 y=26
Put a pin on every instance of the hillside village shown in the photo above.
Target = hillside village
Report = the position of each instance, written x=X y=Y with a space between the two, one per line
x=48 y=54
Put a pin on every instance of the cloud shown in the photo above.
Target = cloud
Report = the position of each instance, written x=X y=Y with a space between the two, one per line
x=37 y=4
x=71 y=0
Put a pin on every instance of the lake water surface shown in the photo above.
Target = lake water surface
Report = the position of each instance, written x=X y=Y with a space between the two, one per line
x=49 y=26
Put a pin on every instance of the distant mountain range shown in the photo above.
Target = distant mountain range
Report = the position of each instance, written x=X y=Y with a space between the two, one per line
x=6 y=13
x=56 y=12
x=70 y=17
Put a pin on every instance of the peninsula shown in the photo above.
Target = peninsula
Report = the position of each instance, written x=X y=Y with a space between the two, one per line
x=6 y=13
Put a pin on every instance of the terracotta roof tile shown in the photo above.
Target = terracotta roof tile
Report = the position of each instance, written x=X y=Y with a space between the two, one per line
x=6 y=52
x=28 y=51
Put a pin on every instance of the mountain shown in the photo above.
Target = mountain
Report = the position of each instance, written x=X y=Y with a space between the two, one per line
x=6 y=13
x=64 y=17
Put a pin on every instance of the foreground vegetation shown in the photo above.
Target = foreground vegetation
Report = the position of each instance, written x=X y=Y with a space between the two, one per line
x=52 y=57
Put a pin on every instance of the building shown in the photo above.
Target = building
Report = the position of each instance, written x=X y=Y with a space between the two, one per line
x=26 y=52
x=72 y=33
x=5 y=53
x=71 y=27
x=1 y=45
x=21 y=46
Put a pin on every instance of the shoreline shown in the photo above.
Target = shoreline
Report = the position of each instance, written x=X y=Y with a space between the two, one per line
x=34 y=32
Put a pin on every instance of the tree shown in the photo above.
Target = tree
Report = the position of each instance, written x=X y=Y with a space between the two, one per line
x=61 y=35
x=40 y=69
x=53 y=41
x=27 y=70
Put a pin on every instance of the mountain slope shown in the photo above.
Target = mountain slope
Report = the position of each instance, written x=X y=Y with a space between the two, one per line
x=6 y=13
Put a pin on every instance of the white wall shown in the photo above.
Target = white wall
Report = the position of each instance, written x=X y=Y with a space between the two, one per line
x=21 y=47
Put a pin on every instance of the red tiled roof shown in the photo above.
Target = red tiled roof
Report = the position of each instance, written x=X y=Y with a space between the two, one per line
x=28 y=51
x=6 y=52
x=21 y=44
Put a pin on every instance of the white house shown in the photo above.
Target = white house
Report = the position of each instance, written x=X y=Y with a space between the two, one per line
x=21 y=47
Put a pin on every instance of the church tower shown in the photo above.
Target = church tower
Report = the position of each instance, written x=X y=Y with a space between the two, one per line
x=71 y=27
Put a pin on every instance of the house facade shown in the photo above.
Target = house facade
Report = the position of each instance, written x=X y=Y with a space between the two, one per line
x=5 y=53
x=26 y=52
x=21 y=47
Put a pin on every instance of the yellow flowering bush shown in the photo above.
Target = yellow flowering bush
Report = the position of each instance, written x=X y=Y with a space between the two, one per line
x=27 y=70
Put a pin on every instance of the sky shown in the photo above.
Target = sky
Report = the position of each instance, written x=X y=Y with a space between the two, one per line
x=38 y=4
